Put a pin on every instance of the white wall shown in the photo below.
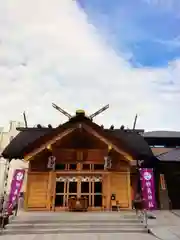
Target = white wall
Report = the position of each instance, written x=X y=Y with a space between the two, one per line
x=2 y=171
x=16 y=164
x=5 y=138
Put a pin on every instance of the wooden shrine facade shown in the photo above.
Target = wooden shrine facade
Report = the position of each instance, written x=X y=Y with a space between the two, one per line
x=51 y=190
x=79 y=174
x=92 y=168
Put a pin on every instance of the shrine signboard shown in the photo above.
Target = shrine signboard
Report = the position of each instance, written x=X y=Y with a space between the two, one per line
x=148 y=188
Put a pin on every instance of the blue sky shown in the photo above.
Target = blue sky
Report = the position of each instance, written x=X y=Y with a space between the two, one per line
x=148 y=30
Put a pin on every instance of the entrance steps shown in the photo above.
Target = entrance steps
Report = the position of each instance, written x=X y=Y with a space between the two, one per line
x=57 y=223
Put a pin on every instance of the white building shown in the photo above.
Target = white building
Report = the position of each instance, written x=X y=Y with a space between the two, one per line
x=5 y=166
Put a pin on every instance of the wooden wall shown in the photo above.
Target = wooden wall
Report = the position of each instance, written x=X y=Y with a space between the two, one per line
x=120 y=186
x=40 y=184
x=73 y=155
x=39 y=163
x=40 y=193
x=37 y=194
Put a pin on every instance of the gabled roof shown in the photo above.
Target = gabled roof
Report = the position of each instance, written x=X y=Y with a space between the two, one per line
x=134 y=139
x=29 y=139
x=171 y=156
x=24 y=138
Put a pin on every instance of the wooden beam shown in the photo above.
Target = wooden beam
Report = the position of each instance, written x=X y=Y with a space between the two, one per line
x=108 y=142
x=45 y=145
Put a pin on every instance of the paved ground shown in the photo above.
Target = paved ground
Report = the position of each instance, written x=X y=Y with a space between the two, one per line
x=176 y=212
x=166 y=226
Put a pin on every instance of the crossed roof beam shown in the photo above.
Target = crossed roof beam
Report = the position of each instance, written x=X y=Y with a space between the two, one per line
x=65 y=113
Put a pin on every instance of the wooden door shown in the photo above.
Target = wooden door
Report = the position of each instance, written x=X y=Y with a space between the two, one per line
x=66 y=187
x=90 y=187
x=86 y=187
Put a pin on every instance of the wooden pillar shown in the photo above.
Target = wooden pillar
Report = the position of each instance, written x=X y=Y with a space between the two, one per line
x=105 y=191
x=27 y=192
x=108 y=191
x=51 y=191
x=129 y=187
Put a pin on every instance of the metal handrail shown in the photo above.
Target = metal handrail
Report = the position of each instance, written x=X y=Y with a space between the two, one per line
x=144 y=218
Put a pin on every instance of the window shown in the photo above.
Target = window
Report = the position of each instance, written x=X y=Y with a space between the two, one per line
x=59 y=201
x=60 y=166
x=98 y=166
x=72 y=187
x=85 y=187
x=98 y=187
x=72 y=166
x=86 y=166
x=59 y=187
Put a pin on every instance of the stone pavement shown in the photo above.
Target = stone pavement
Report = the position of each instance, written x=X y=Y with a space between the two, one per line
x=176 y=212
x=166 y=226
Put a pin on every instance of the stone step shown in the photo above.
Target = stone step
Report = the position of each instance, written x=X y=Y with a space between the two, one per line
x=76 y=216
x=60 y=221
x=73 y=231
x=63 y=223
x=72 y=225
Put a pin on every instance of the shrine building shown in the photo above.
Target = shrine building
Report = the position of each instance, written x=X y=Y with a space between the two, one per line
x=79 y=165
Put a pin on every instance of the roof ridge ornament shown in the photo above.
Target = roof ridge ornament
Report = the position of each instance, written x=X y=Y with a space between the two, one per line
x=80 y=111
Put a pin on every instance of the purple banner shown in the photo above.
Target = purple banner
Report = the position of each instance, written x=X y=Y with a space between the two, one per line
x=147 y=187
x=16 y=185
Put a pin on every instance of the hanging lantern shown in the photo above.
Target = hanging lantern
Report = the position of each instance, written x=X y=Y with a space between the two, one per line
x=51 y=162
x=107 y=162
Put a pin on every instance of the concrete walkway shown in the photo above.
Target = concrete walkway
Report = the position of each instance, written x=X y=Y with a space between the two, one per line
x=166 y=226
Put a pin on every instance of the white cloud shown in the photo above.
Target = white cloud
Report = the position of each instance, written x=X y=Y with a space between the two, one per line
x=165 y=5
x=171 y=44
x=49 y=53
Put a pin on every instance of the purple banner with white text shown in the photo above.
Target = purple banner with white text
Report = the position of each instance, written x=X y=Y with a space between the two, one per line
x=148 y=188
x=16 y=185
